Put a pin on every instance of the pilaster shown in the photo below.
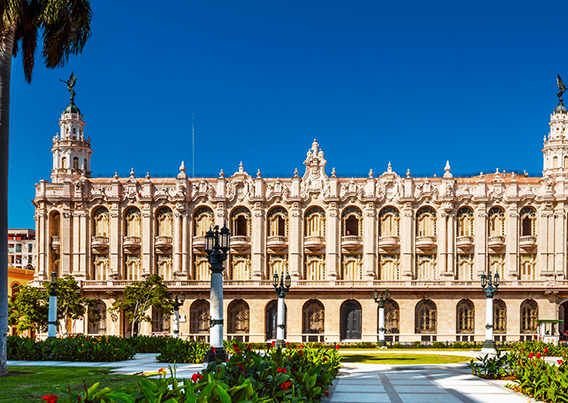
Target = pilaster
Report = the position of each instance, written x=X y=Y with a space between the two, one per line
x=560 y=241
x=332 y=243
x=407 y=242
x=66 y=237
x=148 y=267
x=295 y=242
x=258 y=238
x=481 y=249
x=512 y=242
x=115 y=242
x=370 y=240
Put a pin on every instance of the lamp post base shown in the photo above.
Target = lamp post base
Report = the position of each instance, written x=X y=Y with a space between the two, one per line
x=280 y=343
x=488 y=347
x=212 y=356
x=381 y=343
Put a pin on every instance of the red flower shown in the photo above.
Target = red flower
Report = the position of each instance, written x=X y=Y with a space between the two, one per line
x=214 y=350
x=49 y=399
x=287 y=343
x=240 y=367
x=248 y=348
x=196 y=377
x=273 y=343
x=281 y=370
x=326 y=393
x=285 y=385
x=560 y=362
x=531 y=355
x=337 y=346
x=537 y=355
x=546 y=349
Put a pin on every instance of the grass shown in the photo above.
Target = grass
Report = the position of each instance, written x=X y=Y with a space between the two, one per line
x=41 y=381
x=403 y=359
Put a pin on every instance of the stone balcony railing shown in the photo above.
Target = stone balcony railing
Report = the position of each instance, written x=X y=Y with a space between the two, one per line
x=527 y=242
x=351 y=241
x=314 y=242
x=163 y=242
x=277 y=242
x=199 y=242
x=55 y=242
x=99 y=242
x=389 y=242
x=496 y=242
x=131 y=242
x=426 y=242
x=240 y=242
x=465 y=242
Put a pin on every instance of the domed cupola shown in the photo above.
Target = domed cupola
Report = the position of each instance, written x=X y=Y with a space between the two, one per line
x=71 y=151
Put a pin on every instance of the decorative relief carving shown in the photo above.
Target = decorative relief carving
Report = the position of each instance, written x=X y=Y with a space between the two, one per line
x=315 y=178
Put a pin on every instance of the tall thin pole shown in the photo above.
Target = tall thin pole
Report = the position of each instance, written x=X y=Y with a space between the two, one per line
x=193 y=145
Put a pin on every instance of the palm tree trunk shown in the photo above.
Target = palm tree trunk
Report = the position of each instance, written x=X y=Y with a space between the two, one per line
x=6 y=46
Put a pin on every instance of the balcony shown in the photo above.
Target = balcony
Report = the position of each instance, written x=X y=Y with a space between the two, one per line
x=314 y=242
x=239 y=242
x=464 y=242
x=55 y=242
x=389 y=242
x=496 y=242
x=99 y=242
x=351 y=242
x=277 y=242
x=426 y=243
x=131 y=243
x=527 y=242
x=163 y=242
x=199 y=242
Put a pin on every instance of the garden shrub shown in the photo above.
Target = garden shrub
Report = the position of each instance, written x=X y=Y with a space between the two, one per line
x=182 y=351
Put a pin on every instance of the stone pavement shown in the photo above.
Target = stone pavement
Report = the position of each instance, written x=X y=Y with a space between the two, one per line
x=360 y=383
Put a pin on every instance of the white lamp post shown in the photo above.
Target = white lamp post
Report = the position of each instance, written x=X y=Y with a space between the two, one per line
x=216 y=245
x=52 y=318
x=281 y=287
x=489 y=285
x=381 y=301
x=178 y=302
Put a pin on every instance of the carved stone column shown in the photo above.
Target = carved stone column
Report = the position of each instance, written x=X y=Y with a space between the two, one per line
x=452 y=233
x=295 y=242
x=545 y=241
x=560 y=241
x=76 y=242
x=84 y=247
x=407 y=242
x=481 y=248
x=177 y=241
x=370 y=242
x=186 y=240
x=148 y=266
x=66 y=246
x=42 y=267
x=258 y=242
x=442 y=242
x=332 y=242
x=115 y=243
x=512 y=242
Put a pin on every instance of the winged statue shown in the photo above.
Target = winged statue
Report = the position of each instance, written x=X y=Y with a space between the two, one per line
x=561 y=86
x=71 y=83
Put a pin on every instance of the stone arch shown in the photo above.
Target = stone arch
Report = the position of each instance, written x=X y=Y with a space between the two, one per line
x=465 y=221
x=271 y=314
x=352 y=221
x=351 y=317
x=199 y=317
x=277 y=221
x=499 y=316
x=426 y=221
x=314 y=222
x=529 y=315
x=97 y=318
x=313 y=318
x=389 y=221
x=239 y=317
x=392 y=317
x=100 y=221
x=465 y=317
x=527 y=221
x=425 y=317
x=164 y=221
x=241 y=222
x=203 y=220
x=496 y=221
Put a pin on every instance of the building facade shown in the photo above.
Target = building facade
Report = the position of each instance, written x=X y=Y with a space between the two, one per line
x=427 y=239
x=21 y=248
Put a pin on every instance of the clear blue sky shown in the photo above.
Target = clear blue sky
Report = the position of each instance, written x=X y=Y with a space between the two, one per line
x=412 y=82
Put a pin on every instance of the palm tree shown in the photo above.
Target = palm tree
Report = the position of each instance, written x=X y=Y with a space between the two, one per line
x=64 y=26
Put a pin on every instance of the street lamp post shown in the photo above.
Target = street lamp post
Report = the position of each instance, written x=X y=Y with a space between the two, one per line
x=381 y=301
x=52 y=318
x=281 y=286
x=489 y=285
x=216 y=245
x=178 y=301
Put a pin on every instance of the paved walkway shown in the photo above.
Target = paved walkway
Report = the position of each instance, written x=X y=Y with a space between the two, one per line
x=361 y=383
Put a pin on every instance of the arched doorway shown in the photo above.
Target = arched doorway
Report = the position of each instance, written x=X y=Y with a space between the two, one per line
x=271 y=316
x=563 y=315
x=351 y=315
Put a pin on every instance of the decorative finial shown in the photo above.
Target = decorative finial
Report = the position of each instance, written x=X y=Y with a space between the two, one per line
x=513 y=175
x=497 y=171
x=182 y=167
x=370 y=173
x=115 y=176
x=295 y=172
x=389 y=168
x=481 y=174
x=221 y=174
x=408 y=173
x=258 y=174
x=241 y=169
x=447 y=167
x=71 y=83
x=333 y=173
x=132 y=172
x=147 y=175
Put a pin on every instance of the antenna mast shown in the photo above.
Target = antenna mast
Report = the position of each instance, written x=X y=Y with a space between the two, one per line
x=193 y=145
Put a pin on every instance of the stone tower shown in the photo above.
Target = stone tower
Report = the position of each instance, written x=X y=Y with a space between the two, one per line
x=555 y=149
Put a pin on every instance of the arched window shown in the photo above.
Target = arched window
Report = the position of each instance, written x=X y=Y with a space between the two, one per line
x=240 y=222
x=314 y=267
x=271 y=319
x=465 y=321
x=392 y=317
x=160 y=321
x=528 y=267
x=240 y=267
x=426 y=222
x=499 y=316
x=55 y=224
x=201 y=270
x=164 y=222
x=202 y=221
x=85 y=167
x=64 y=163
x=389 y=267
x=465 y=267
x=132 y=222
x=528 y=221
x=315 y=222
x=351 y=267
x=313 y=315
x=425 y=317
x=164 y=266
x=100 y=267
x=199 y=317
x=238 y=317
x=555 y=162
x=276 y=264
x=566 y=161
x=100 y=222
x=465 y=221
x=351 y=320
x=132 y=267
x=278 y=222
x=75 y=163
x=497 y=264
x=97 y=318
x=352 y=222
x=496 y=217
x=426 y=267
x=389 y=222
x=529 y=315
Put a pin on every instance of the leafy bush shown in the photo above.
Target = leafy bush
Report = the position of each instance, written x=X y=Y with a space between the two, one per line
x=438 y=344
x=545 y=349
x=182 y=351
x=79 y=348
x=148 y=344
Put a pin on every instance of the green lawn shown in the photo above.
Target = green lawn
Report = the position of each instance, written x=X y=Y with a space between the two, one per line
x=45 y=380
x=403 y=359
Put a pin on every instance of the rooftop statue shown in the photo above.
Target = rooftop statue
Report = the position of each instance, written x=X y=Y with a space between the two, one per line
x=561 y=87
x=71 y=83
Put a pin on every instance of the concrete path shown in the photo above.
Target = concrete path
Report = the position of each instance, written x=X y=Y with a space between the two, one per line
x=361 y=383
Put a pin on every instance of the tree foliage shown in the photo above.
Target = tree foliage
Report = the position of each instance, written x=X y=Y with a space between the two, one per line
x=29 y=309
x=140 y=296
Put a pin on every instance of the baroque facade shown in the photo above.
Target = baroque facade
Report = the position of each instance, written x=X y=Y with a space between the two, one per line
x=427 y=239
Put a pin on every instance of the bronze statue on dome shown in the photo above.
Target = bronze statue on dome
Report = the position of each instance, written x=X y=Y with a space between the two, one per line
x=561 y=87
x=71 y=83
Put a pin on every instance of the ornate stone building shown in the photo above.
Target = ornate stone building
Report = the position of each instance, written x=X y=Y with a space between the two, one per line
x=427 y=239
